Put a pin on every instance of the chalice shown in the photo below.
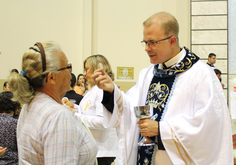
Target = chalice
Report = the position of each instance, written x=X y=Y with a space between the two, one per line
x=144 y=112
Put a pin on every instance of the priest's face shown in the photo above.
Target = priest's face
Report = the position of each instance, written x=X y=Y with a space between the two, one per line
x=161 y=51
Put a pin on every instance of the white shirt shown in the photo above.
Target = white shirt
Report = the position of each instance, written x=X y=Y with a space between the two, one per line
x=90 y=110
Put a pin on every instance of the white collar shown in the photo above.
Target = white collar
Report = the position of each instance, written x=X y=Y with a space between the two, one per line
x=176 y=59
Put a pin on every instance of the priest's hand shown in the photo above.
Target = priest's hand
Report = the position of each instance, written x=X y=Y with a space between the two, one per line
x=102 y=80
x=148 y=127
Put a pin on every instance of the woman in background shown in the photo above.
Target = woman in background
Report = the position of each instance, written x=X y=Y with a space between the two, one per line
x=91 y=111
x=81 y=85
x=8 y=127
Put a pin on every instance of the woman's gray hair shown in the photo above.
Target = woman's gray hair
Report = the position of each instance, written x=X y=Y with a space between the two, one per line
x=23 y=85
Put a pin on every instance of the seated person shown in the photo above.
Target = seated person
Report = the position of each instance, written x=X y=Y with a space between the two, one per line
x=81 y=86
x=218 y=74
x=6 y=87
x=71 y=95
x=8 y=127
x=14 y=71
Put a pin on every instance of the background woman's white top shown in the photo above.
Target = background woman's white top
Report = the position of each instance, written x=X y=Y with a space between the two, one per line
x=91 y=111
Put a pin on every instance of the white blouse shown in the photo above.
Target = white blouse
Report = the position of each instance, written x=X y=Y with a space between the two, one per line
x=90 y=110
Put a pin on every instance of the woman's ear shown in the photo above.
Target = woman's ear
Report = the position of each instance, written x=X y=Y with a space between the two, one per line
x=51 y=78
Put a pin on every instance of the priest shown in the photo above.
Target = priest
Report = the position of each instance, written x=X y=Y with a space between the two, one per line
x=190 y=123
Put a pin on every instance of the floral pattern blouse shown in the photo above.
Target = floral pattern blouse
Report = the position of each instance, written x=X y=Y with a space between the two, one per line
x=8 y=127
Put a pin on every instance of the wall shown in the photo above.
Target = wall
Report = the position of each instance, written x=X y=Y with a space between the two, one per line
x=84 y=27
x=25 y=22
x=209 y=33
x=232 y=42
x=232 y=60
x=118 y=28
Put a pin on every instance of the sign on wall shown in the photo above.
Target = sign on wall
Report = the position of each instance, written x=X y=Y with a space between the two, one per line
x=125 y=73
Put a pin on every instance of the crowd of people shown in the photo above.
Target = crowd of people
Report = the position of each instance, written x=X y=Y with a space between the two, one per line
x=49 y=117
x=8 y=128
x=9 y=113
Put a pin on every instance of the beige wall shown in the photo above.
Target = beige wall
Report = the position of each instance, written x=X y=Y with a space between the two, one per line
x=118 y=29
x=209 y=19
x=25 y=22
x=1 y=84
x=84 y=27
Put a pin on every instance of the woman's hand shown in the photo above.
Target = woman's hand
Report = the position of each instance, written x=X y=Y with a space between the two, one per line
x=68 y=103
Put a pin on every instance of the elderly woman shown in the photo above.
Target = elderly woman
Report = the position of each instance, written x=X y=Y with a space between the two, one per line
x=91 y=111
x=8 y=128
x=47 y=132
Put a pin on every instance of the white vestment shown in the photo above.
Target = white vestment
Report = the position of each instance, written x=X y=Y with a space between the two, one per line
x=196 y=125
x=90 y=110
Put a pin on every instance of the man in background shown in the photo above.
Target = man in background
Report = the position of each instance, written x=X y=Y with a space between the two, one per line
x=211 y=60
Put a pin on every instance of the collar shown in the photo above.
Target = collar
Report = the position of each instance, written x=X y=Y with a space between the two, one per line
x=187 y=62
x=210 y=64
x=176 y=59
